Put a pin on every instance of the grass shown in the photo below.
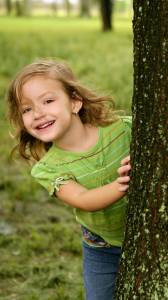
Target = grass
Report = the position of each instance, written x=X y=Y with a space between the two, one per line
x=40 y=242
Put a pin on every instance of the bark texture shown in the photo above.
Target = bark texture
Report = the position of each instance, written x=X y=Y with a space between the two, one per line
x=144 y=265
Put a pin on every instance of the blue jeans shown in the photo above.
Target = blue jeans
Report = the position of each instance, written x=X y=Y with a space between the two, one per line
x=100 y=267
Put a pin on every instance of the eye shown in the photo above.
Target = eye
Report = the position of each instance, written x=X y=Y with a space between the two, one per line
x=49 y=101
x=26 y=110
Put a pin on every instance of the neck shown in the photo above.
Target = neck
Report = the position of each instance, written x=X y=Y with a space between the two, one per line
x=80 y=138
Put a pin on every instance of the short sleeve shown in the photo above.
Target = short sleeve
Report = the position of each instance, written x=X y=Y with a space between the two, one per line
x=49 y=177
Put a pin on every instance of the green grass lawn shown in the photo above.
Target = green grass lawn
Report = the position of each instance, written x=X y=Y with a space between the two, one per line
x=40 y=242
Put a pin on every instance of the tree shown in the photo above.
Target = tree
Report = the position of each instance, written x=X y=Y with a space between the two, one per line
x=106 y=9
x=23 y=8
x=85 y=8
x=144 y=265
x=68 y=7
x=19 y=8
x=27 y=7
x=8 y=5
x=54 y=7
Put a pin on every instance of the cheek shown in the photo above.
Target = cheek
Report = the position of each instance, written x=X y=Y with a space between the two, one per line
x=64 y=111
x=67 y=115
x=23 y=119
x=26 y=120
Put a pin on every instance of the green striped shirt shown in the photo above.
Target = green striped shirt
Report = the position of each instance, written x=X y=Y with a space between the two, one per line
x=93 y=168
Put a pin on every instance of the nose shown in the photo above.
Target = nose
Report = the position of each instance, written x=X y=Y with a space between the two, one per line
x=38 y=113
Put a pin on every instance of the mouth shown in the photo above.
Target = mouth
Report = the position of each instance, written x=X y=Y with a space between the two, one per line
x=45 y=125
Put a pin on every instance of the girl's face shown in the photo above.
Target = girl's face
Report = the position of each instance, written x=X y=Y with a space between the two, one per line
x=47 y=111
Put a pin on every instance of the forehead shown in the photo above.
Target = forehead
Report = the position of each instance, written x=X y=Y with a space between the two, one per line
x=37 y=86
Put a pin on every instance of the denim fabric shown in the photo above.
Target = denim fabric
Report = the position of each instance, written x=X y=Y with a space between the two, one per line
x=100 y=267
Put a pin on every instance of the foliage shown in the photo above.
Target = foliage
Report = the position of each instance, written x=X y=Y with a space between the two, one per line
x=40 y=242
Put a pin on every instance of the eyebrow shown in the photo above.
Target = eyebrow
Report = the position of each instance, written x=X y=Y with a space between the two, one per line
x=24 y=103
x=42 y=95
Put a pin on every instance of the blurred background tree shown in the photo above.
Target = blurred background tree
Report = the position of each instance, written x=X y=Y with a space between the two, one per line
x=78 y=8
x=8 y=5
x=68 y=7
x=106 y=9
x=85 y=8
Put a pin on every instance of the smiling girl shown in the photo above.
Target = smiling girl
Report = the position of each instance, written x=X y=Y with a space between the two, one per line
x=78 y=142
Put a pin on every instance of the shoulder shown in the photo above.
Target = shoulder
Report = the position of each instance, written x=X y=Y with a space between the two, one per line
x=127 y=120
x=45 y=163
x=123 y=122
x=118 y=130
x=127 y=125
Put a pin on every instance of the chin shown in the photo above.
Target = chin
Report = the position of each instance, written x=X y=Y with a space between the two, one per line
x=46 y=140
x=43 y=139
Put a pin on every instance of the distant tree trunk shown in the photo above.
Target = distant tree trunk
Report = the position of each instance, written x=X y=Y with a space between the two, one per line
x=67 y=7
x=85 y=8
x=18 y=8
x=23 y=8
x=106 y=9
x=27 y=7
x=54 y=7
x=144 y=265
x=8 y=4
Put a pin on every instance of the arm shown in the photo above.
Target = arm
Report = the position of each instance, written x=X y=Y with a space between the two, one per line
x=95 y=199
x=99 y=198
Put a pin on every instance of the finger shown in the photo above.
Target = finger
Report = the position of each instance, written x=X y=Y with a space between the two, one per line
x=124 y=170
x=125 y=160
x=123 y=188
x=123 y=180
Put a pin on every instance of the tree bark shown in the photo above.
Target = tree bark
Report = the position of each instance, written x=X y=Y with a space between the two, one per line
x=106 y=9
x=144 y=265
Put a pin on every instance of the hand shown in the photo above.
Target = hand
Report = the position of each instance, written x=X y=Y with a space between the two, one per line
x=123 y=172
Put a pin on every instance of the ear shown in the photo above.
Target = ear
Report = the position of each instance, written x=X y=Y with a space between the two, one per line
x=76 y=105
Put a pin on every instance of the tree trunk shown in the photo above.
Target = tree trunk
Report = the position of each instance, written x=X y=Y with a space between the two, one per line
x=144 y=265
x=19 y=8
x=106 y=9
x=54 y=7
x=27 y=7
x=23 y=8
x=67 y=7
x=85 y=8
x=8 y=5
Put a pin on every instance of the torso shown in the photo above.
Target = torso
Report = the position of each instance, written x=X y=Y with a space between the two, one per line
x=92 y=168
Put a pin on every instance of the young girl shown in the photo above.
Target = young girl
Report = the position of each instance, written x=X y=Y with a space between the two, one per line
x=77 y=142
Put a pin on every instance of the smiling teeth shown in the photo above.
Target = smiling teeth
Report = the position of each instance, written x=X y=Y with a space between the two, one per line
x=45 y=125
